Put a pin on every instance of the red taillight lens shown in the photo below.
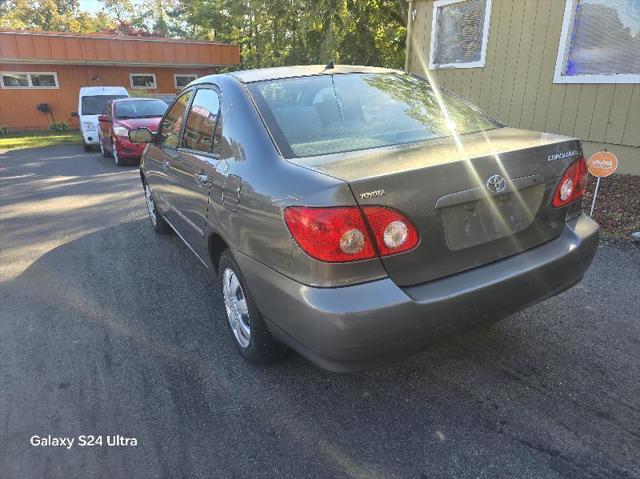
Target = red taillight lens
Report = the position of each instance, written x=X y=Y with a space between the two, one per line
x=341 y=235
x=572 y=184
x=394 y=232
x=330 y=234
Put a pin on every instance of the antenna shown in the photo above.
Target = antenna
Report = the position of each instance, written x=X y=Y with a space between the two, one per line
x=330 y=66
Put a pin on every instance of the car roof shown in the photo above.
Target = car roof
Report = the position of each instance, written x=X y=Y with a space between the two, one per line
x=277 y=73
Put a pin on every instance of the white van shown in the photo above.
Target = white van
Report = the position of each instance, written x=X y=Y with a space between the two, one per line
x=91 y=103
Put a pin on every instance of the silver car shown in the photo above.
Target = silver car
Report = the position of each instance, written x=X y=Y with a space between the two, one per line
x=357 y=214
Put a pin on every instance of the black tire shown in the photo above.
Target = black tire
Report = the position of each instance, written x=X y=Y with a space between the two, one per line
x=86 y=147
x=160 y=226
x=262 y=348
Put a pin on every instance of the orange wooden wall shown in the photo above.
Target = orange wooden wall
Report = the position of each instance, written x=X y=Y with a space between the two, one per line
x=42 y=46
x=18 y=106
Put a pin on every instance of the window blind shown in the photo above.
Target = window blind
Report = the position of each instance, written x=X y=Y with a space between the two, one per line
x=605 y=38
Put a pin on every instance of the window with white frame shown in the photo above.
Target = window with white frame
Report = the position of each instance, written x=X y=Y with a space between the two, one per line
x=459 y=33
x=143 y=80
x=600 y=42
x=29 y=80
x=181 y=80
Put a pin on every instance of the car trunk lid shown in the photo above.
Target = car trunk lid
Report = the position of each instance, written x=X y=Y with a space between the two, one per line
x=443 y=187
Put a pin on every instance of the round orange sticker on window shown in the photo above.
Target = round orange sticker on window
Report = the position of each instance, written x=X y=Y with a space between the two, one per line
x=602 y=164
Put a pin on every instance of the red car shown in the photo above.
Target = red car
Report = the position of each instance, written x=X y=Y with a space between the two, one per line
x=119 y=117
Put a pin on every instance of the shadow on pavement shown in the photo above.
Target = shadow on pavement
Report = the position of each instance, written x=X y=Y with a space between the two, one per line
x=121 y=332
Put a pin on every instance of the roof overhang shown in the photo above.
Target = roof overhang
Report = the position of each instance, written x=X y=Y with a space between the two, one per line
x=74 y=49
x=22 y=61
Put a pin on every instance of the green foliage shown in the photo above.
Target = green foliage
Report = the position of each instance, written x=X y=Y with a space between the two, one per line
x=50 y=15
x=138 y=93
x=58 y=127
x=138 y=18
x=4 y=130
x=289 y=32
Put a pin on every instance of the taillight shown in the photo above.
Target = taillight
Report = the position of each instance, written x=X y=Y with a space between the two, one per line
x=330 y=234
x=572 y=184
x=340 y=234
x=394 y=233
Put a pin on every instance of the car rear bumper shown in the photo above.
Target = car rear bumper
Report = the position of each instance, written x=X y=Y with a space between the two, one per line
x=358 y=327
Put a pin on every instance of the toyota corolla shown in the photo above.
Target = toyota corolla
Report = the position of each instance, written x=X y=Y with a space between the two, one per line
x=358 y=214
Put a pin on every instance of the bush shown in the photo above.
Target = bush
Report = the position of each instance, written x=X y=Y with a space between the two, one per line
x=58 y=127
x=138 y=93
x=4 y=130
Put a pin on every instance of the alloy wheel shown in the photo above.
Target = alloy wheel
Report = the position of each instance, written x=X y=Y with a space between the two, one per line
x=237 y=308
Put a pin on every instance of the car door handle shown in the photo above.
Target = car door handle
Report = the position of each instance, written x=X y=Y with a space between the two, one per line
x=201 y=178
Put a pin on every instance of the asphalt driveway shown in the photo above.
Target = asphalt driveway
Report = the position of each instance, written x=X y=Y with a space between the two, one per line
x=107 y=328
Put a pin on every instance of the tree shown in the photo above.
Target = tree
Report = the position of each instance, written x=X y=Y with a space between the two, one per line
x=141 y=19
x=49 y=15
x=284 y=32
x=121 y=10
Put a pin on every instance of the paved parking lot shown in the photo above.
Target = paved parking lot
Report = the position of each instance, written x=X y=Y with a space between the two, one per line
x=106 y=328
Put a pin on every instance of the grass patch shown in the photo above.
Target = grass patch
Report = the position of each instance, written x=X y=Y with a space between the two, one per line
x=38 y=140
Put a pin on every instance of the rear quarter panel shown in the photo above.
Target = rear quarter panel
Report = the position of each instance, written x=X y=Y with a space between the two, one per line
x=270 y=184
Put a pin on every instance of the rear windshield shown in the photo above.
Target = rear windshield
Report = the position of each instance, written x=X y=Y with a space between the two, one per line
x=94 y=105
x=325 y=114
x=140 y=109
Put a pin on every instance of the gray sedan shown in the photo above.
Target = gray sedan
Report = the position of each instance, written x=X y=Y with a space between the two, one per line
x=358 y=214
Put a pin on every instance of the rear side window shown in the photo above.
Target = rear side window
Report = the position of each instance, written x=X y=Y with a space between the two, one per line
x=172 y=124
x=326 y=114
x=202 y=121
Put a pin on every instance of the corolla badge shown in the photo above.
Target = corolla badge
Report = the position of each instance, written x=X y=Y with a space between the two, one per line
x=563 y=155
x=496 y=184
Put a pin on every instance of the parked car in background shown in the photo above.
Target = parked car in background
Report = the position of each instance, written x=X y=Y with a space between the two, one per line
x=122 y=115
x=358 y=214
x=165 y=97
x=91 y=103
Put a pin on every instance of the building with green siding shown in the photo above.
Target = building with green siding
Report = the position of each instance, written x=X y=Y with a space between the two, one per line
x=564 y=66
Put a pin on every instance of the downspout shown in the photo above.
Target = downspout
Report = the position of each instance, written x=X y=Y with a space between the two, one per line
x=410 y=19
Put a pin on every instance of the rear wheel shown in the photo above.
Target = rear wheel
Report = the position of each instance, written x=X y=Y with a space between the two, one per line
x=248 y=329
x=160 y=226
x=85 y=146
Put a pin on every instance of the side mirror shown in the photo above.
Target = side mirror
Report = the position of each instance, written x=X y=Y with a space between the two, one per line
x=103 y=119
x=74 y=114
x=140 y=135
